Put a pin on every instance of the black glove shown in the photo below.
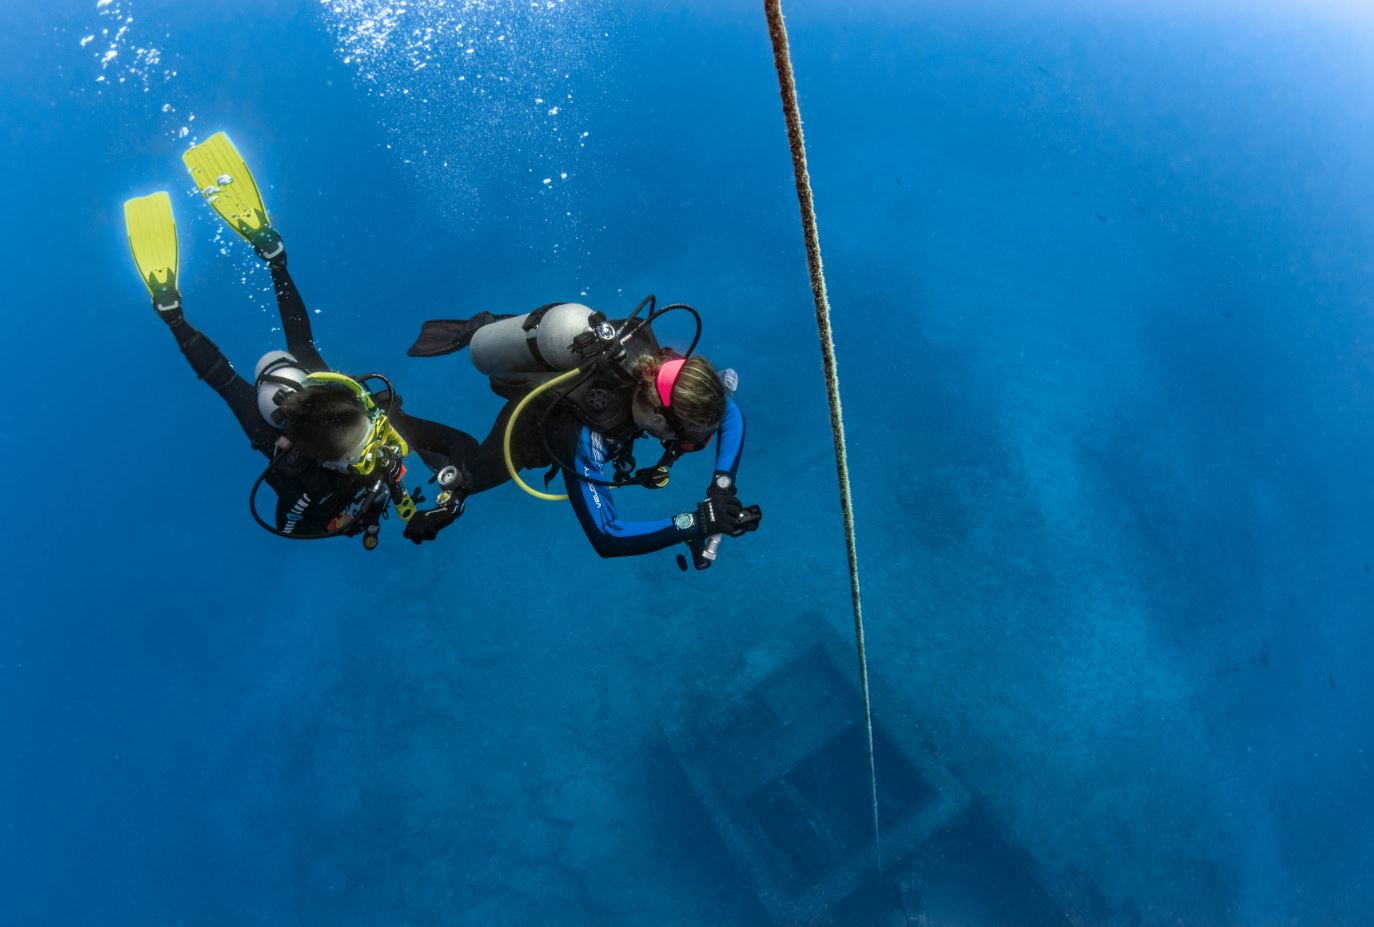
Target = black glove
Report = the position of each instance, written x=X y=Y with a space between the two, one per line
x=725 y=514
x=426 y=525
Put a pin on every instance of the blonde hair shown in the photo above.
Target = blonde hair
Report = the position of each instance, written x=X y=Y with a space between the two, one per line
x=698 y=399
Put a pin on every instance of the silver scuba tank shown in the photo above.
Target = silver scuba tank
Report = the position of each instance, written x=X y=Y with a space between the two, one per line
x=526 y=349
x=276 y=376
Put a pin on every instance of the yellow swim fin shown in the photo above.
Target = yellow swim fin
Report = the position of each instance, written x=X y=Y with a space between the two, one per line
x=153 y=243
x=228 y=186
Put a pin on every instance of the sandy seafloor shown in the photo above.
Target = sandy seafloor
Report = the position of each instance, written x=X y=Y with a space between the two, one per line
x=1101 y=281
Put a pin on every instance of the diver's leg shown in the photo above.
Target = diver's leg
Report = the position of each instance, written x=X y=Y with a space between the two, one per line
x=489 y=466
x=527 y=447
x=295 y=318
x=210 y=365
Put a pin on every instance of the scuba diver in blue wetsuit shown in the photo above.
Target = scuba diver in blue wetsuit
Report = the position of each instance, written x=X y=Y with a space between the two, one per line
x=581 y=390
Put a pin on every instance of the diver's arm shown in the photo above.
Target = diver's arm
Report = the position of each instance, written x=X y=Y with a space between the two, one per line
x=729 y=441
x=596 y=509
x=210 y=364
x=436 y=443
x=440 y=447
x=722 y=512
x=295 y=318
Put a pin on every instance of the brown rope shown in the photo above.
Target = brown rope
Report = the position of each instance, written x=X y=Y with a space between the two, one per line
x=782 y=60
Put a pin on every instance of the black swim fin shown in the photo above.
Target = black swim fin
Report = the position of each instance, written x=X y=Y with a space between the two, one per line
x=444 y=336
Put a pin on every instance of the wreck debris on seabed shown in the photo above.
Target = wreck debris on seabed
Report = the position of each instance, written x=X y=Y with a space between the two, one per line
x=777 y=754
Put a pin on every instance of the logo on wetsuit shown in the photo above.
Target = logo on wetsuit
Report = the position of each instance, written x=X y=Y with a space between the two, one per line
x=297 y=512
x=598 y=447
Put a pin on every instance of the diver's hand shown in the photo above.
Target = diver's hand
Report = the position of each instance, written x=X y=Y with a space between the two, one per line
x=725 y=514
x=723 y=491
x=426 y=525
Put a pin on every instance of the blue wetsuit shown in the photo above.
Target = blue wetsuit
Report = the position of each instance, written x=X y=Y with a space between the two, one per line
x=595 y=507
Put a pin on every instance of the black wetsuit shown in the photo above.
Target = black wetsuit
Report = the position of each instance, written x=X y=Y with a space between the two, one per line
x=309 y=495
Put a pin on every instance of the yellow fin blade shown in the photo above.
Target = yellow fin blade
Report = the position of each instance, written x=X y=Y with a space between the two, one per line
x=153 y=240
x=228 y=186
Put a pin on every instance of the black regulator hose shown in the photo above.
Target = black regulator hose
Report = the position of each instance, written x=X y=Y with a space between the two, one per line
x=390 y=390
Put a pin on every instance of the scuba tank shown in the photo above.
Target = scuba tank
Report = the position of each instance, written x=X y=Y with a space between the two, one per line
x=521 y=352
x=276 y=375
x=527 y=351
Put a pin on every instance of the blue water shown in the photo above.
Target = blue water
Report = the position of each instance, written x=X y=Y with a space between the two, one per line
x=1102 y=300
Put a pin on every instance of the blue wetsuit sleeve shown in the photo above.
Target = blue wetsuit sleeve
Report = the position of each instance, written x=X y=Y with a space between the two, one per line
x=730 y=440
x=596 y=509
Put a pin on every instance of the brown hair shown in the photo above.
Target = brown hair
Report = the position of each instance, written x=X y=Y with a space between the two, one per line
x=324 y=422
x=698 y=395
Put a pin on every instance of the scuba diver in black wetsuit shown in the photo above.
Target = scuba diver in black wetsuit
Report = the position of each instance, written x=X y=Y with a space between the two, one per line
x=581 y=390
x=336 y=448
